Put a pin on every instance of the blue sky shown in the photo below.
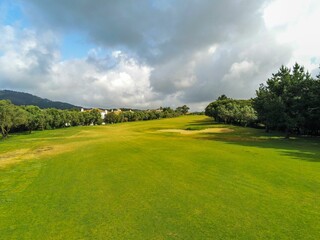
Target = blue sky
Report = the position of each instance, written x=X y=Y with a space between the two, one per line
x=148 y=53
x=72 y=44
x=75 y=45
x=12 y=14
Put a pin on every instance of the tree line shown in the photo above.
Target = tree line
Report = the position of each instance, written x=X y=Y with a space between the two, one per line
x=30 y=118
x=289 y=101
x=130 y=116
x=231 y=111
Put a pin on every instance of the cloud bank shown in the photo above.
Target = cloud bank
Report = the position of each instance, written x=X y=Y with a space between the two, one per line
x=150 y=53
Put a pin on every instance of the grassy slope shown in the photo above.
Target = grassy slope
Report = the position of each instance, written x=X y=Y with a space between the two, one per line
x=129 y=181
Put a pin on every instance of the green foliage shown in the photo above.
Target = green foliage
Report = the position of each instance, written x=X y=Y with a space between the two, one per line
x=183 y=109
x=290 y=101
x=36 y=118
x=75 y=118
x=222 y=97
x=96 y=117
x=232 y=111
x=11 y=116
x=112 y=118
x=142 y=115
x=55 y=118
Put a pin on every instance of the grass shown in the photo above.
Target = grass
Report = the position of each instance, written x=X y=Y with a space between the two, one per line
x=131 y=181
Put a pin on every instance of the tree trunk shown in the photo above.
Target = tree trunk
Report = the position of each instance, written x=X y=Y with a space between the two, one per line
x=4 y=133
x=267 y=129
x=287 y=133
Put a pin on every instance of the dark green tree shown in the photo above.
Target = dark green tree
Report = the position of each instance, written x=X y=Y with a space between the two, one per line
x=288 y=101
x=183 y=109
x=222 y=97
x=232 y=111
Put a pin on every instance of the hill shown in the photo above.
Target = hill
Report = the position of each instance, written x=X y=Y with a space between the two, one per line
x=21 y=98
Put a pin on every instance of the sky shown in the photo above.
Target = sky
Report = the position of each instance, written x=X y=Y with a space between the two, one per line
x=147 y=53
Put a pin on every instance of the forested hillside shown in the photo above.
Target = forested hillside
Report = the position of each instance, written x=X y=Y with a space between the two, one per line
x=21 y=98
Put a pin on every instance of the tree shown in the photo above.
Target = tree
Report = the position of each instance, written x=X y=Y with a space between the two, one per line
x=183 y=109
x=311 y=106
x=111 y=118
x=232 y=111
x=270 y=109
x=247 y=115
x=288 y=101
x=85 y=118
x=96 y=117
x=74 y=118
x=222 y=97
x=10 y=116
x=55 y=118
x=225 y=111
x=35 y=118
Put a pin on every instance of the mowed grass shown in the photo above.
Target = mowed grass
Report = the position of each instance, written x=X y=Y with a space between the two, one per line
x=131 y=181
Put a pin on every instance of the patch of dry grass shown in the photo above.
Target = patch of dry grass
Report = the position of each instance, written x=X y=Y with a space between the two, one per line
x=191 y=132
x=27 y=154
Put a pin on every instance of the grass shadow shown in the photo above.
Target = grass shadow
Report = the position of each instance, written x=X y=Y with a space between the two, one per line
x=297 y=147
x=203 y=122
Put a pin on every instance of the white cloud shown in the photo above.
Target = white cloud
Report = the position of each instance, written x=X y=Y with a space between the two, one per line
x=281 y=13
x=169 y=53
x=239 y=68
x=31 y=62
x=296 y=23
x=212 y=49
x=127 y=84
x=25 y=56
x=239 y=73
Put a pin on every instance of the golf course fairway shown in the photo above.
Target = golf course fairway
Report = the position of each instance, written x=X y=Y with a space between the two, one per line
x=163 y=179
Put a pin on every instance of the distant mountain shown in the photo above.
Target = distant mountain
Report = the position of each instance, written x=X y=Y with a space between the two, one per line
x=21 y=98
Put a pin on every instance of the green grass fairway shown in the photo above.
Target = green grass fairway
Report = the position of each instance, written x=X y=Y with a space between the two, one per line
x=132 y=181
